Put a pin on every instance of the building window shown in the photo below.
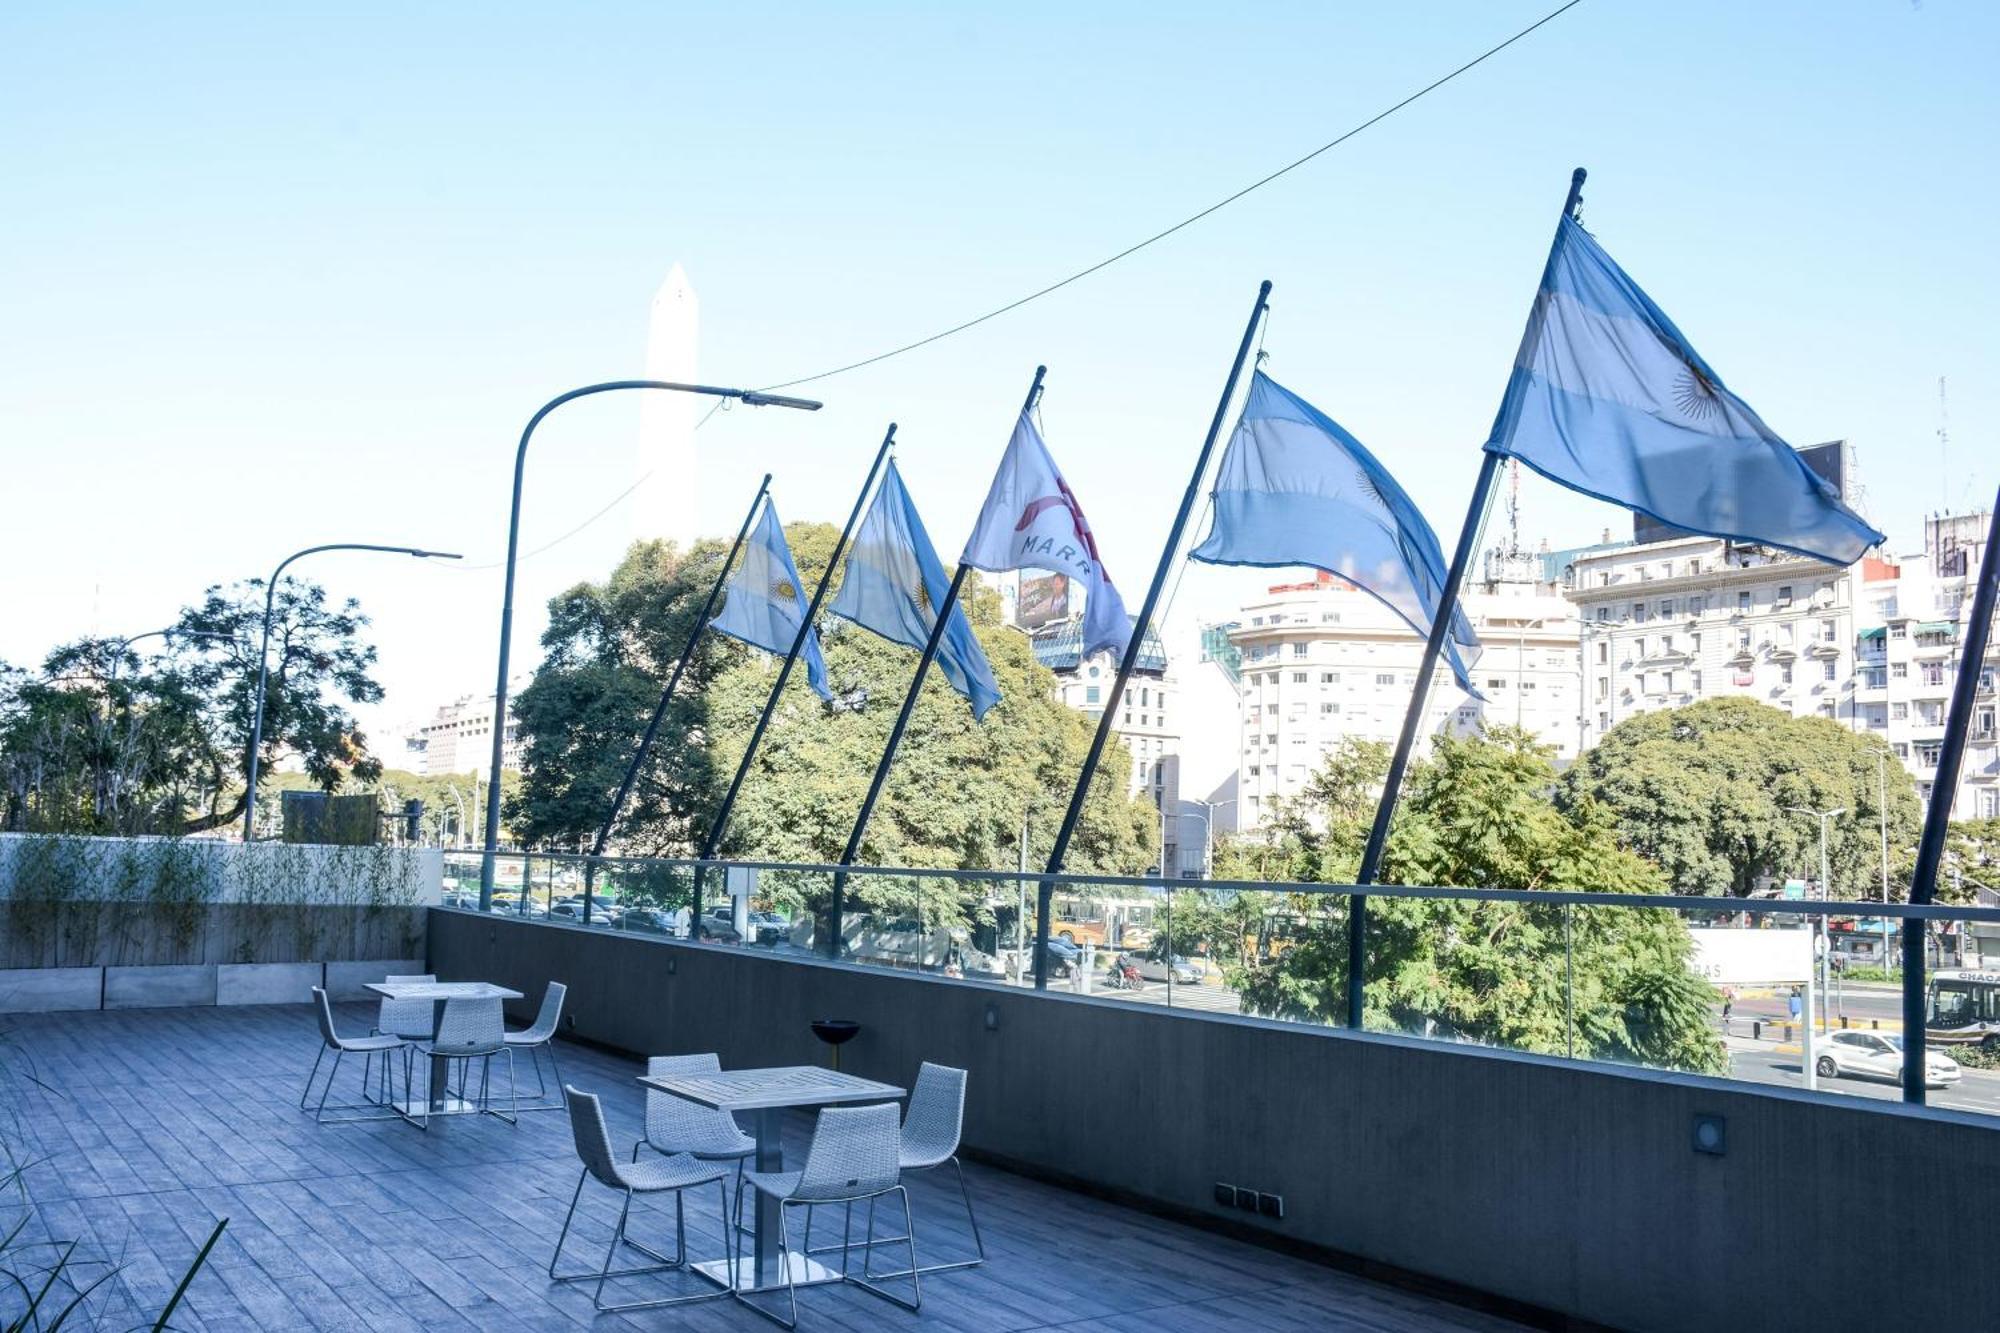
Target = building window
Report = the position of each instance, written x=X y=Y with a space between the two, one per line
x=1639 y=646
x=1603 y=687
x=1742 y=601
x=1743 y=637
x=1786 y=634
x=1899 y=671
x=1299 y=678
x=1639 y=612
x=1784 y=594
x=1385 y=678
x=1329 y=678
x=1876 y=721
x=1090 y=692
x=1271 y=710
x=1829 y=671
x=1329 y=708
x=1899 y=712
x=1271 y=739
x=1329 y=617
x=1694 y=681
x=1928 y=753
x=1495 y=684
x=1785 y=674
x=1301 y=649
x=1667 y=681
x=1603 y=652
x=1933 y=673
x=1898 y=631
x=1604 y=721
x=1826 y=711
x=1256 y=770
x=1827 y=630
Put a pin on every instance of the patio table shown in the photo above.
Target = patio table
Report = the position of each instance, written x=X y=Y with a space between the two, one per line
x=437 y=992
x=764 y=1094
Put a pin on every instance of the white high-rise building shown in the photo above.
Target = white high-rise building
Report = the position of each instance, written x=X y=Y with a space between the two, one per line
x=1914 y=613
x=1665 y=623
x=668 y=504
x=1322 y=662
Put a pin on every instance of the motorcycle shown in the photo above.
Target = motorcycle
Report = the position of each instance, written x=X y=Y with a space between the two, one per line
x=1124 y=975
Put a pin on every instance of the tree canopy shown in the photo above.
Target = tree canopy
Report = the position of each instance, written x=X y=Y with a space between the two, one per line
x=1706 y=792
x=1477 y=812
x=104 y=740
x=958 y=795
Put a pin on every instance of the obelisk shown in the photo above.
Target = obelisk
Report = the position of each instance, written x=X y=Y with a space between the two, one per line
x=668 y=505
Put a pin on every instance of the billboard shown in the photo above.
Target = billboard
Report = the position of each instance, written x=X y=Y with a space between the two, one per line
x=1735 y=957
x=1043 y=598
x=1830 y=462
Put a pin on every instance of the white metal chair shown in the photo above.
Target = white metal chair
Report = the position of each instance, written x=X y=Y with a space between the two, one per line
x=677 y=1125
x=541 y=1037
x=470 y=1030
x=654 y=1176
x=852 y=1159
x=409 y=1019
x=366 y=1047
x=930 y=1138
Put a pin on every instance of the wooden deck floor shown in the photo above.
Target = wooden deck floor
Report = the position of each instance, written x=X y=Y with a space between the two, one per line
x=154 y=1123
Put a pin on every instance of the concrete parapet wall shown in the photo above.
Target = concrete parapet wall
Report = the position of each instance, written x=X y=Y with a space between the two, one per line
x=1570 y=1187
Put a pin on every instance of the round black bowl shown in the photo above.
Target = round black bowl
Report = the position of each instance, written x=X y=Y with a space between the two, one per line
x=835 y=1031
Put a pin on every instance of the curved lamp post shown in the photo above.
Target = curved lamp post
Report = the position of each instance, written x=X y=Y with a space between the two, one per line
x=264 y=654
x=749 y=396
x=170 y=632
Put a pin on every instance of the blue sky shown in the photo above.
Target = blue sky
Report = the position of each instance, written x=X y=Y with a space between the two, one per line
x=275 y=277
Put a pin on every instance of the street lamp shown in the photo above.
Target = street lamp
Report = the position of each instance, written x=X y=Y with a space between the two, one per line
x=750 y=397
x=1818 y=924
x=264 y=654
x=1208 y=829
x=169 y=632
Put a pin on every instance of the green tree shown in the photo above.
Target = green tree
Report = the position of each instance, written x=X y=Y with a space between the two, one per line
x=319 y=664
x=958 y=796
x=1703 y=792
x=1476 y=813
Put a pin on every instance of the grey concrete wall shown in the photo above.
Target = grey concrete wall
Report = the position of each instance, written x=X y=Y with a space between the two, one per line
x=39 y=990
x=1574 y=1188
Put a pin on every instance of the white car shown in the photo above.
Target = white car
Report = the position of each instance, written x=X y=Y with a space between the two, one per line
x=1877 y=1055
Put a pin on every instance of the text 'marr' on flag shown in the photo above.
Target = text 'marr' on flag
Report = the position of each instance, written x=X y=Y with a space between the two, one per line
x=1295 y=489
x=766 y=605
x=1608 y=398
x=1031 y=520
x=894 y=584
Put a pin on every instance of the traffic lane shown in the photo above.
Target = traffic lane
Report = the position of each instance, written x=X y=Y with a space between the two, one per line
x=1977 y=1090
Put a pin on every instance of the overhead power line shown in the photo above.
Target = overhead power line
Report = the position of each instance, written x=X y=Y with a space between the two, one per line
x=1189 y=220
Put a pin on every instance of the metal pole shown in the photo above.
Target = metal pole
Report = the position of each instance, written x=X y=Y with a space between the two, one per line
x=838 y=905
x=1930 y=851
x=660 y=711
x=1131 y=657
x=1371 y=856
x=720 y=824
x=264 y=657
x=1882 y=812
x=749 y=396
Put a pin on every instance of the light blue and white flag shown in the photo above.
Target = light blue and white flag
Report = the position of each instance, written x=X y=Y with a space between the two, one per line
x=1609 y=399
x=766 y=606
x=1031 y=520
x=1296 y=489
x=894 y=583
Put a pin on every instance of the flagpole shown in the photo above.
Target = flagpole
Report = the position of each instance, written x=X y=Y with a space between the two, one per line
x=943 y=617
x=1385 y=810
x=1944 y=787
x=659 y=712
x=1131 y=657
x=721 y=822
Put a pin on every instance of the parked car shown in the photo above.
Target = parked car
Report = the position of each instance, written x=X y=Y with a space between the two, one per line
x=1878 y=1055
x=647 y=920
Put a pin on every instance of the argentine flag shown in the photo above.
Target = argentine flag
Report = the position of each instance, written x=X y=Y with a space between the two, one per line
x=894 y=583
x=1608 y=398
x=766 y=606
x=1296 y=489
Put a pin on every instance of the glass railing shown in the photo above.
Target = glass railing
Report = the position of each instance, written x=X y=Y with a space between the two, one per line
x=1695 y=985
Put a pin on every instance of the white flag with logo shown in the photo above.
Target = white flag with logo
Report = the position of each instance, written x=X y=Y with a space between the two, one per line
x=1032 y=521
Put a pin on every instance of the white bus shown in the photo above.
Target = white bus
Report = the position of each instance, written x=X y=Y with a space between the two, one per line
x=1963 y=1007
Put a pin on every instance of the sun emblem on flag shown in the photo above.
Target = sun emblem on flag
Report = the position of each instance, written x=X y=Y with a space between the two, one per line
x=783 y=591
x=1695 y=392
x=922 y=600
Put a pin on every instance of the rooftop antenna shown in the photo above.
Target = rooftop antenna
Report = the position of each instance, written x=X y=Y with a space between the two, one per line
x=1513 y=507
x=1944 y=442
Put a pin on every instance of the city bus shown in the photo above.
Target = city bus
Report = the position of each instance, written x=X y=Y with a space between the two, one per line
x=1963 y=1007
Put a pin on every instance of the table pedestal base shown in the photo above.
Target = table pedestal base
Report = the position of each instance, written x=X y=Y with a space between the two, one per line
x=806 y=1272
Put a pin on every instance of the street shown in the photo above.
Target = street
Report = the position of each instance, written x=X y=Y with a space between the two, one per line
x=1774 y=1063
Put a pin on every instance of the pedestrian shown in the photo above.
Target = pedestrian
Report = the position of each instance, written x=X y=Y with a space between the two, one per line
x=1795 y=1002
x=1728 y=1005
